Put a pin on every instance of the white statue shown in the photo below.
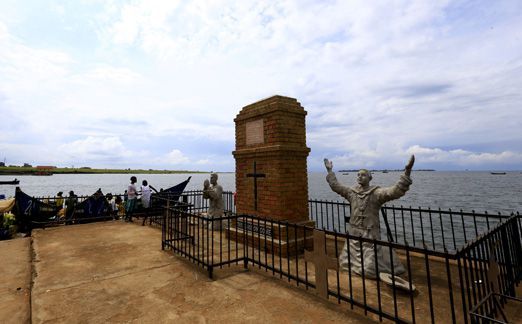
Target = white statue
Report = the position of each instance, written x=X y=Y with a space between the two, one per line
x=214 y=193
x=365 y=202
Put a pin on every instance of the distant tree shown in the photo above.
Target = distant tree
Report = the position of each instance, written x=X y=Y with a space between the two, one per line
x=27 y=165
x=2 y=164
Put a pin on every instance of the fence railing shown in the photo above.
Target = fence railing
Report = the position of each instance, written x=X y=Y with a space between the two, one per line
x=449 y=282
x=489 y=269
x=435 y=228
x=449 y=256
x=188 y=231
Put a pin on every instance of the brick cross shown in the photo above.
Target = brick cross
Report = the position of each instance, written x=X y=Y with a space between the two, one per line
x=322 y=263
x=255 y=175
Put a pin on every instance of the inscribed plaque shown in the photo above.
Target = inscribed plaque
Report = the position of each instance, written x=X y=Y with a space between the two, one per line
x=254 y=132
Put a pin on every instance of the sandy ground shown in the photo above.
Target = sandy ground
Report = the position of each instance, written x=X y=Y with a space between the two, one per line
x=116 y=272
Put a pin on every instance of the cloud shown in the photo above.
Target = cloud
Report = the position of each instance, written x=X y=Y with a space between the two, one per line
x=464 y=158
x=110 y=74
x=377 y=79
x=145 y=23
x=4 y=34
x=417 y=90
x=95 y=148
x=176 y=157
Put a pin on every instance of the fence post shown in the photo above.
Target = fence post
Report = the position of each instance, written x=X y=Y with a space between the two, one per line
x=245 y=243
x=507 y=260
x=164 y=226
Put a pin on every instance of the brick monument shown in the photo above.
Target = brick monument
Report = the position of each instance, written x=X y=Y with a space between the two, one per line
x=271 y=166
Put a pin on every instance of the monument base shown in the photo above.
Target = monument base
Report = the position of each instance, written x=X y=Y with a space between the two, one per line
x=272 y=237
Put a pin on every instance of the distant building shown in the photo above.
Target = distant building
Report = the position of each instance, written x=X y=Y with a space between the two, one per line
x=44 y=170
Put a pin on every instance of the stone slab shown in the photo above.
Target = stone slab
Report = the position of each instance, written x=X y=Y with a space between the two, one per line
x=15 y=280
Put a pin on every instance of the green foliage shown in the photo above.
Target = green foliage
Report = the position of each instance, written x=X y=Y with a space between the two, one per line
x=8 y=220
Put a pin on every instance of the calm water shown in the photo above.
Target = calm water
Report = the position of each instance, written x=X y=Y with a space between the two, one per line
x=479 y=191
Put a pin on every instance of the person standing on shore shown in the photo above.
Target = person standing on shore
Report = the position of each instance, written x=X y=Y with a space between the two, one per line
x=132 y=196
x=146 y=192
x=113 y=210
x=120 y=206
x=59 y=201
x=70 y=206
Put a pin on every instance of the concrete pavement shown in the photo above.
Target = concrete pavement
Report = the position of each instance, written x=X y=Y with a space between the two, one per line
x=115 y=272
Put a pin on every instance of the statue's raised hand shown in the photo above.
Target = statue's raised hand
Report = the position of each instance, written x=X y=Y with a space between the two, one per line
x=328 y=164
x=409 y=166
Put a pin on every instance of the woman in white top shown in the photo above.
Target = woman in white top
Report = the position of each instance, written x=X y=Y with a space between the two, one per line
x=146 y=192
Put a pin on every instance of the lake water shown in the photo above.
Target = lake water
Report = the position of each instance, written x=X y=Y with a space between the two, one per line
x=479 y=191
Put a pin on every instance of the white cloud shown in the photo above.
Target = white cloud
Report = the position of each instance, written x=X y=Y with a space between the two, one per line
x=4 y=34
x=59 y=9
x=176 y=157
x=112 y=75
x=144 y=22
x=95 y=148
x=462 y=157
x=376 y=78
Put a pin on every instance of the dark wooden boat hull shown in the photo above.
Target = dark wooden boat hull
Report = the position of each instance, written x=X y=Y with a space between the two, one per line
x=12 y=182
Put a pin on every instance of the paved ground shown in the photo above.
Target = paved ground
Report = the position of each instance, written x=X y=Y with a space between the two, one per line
x=116 y=272
x=15 y=281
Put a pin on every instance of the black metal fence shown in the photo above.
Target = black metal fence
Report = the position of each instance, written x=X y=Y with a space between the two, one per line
x=45 y=211
x=436 y=229
x=489 y=269
x=194 y=198
x=445 y=275
x=460 y=267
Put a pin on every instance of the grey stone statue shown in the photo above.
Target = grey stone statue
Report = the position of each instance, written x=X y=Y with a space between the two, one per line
x=214 y=193
x=365 y=202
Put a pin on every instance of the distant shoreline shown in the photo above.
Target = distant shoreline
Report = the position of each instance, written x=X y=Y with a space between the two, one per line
x=388 y=170
x=34 y=171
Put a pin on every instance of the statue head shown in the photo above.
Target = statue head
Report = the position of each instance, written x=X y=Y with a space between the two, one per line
x=213 y=178
x=364 y=177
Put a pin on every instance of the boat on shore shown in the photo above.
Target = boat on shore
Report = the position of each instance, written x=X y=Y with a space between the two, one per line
x=11 y=182
x=36 y=212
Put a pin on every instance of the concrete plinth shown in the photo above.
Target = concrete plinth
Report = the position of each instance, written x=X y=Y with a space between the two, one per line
x=277 y=238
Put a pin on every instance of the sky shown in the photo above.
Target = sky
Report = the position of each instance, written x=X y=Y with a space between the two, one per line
x=157 y=84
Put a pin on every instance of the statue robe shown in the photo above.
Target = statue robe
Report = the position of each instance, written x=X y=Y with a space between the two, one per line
x=365 y=206
x=216 y=206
